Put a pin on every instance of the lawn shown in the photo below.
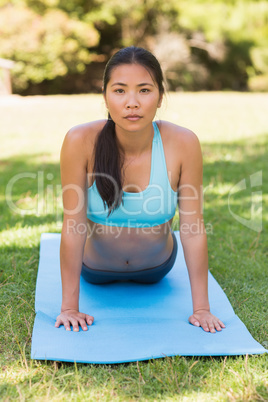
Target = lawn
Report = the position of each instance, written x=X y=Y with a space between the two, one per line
x=233 y=132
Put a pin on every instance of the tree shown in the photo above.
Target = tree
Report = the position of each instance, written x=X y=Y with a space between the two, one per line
x=201 y=44
x=44 y=46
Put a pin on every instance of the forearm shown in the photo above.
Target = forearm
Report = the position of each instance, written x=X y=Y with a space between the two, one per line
x=196 y=257
x=71 y=258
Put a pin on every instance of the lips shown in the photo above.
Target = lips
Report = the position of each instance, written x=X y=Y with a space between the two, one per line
x=133 y=117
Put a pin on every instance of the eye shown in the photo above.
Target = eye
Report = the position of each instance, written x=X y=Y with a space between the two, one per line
x=119 y=91
x=145 y=90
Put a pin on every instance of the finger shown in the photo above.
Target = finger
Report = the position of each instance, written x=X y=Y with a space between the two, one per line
x=221 y=324
x=83 y=324
x=58 y=323
x=205 y=326
x=217 y=326
x=211 y=327
x=194 y=321
x=75 y=325
x=66 y=325
x=89 y=319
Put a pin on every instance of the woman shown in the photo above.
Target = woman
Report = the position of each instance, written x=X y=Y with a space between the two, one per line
x=121 y=180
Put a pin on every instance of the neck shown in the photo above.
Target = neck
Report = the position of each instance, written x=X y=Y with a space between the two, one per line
x=134 y=143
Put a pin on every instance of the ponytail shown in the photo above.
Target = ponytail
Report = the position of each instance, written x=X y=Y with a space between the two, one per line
x=108 y=159
x=107 y=167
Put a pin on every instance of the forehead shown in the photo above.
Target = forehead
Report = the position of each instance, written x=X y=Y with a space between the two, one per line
x=131 y=74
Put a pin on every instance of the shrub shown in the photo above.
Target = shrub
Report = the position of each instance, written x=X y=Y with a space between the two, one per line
x=44 y=47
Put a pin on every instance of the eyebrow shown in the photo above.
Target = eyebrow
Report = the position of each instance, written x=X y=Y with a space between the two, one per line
x=139 y=85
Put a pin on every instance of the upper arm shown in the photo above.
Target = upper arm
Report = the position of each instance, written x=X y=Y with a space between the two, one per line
x=190 y=191
x=73 y=163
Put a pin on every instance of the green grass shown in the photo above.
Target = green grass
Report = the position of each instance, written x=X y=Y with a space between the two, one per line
x=233 y=130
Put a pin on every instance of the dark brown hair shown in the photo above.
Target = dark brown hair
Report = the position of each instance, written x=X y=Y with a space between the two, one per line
x=108 y=160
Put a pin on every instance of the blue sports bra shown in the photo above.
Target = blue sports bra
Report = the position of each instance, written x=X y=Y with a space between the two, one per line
x=153 y=206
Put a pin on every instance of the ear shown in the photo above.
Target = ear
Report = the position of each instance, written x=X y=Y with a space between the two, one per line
x=104 y=97
x=160 y=101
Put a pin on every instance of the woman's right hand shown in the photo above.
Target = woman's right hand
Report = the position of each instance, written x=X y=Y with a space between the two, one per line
x=74 y=318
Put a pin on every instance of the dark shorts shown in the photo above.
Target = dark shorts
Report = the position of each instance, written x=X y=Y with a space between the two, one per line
x=148 y=275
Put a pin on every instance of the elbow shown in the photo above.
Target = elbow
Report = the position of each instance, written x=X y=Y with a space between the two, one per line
x=185 y=236
x=194 y=242
x=72 y=226
x=73 y=231
x=192 y=229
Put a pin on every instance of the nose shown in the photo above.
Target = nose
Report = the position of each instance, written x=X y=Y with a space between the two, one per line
x=132 y=102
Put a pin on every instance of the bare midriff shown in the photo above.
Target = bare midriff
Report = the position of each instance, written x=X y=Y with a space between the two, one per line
x=118 y=248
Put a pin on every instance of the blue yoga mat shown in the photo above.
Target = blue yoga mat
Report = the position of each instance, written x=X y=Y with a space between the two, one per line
x=132 y=321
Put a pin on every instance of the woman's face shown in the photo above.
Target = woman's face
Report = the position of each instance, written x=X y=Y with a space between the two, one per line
x=132 y=97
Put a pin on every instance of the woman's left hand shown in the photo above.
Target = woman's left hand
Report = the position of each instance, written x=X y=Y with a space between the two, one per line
x=206 y=320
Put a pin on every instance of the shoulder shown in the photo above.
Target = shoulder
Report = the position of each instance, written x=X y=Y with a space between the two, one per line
x=84 y=133
x=78 y=144
x=180 y=137
x=175 y=132
x=80 y=139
